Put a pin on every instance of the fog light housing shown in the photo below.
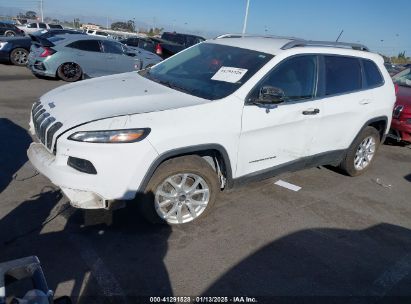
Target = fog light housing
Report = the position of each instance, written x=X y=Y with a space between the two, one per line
x=81 y=165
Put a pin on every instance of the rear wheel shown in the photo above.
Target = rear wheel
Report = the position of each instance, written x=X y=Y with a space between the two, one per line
x=69 y=72
x=19 y=57
x=181 y=190
x=361 y=153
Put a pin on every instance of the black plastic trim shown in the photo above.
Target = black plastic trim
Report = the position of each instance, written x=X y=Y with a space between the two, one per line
x=187 y=151
x=321 y=159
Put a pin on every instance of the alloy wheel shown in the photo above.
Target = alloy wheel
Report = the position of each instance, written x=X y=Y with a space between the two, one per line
x=365 y=153
x=181 y=198
x=20 y=57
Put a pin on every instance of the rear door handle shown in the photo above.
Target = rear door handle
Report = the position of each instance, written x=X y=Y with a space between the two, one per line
x=311 y=112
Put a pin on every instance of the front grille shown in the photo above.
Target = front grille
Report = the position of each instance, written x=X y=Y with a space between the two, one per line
x=397 y=111
x=45 y=125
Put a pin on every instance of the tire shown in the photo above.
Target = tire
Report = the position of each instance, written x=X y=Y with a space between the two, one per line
x=70 y=72
x=19 y=57
x=9 y=34
x=180 y=197
x=361 y=153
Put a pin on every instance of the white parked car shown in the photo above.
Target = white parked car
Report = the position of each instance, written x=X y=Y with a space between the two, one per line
x=219 y=114
x=37 y=26
x=98 y=33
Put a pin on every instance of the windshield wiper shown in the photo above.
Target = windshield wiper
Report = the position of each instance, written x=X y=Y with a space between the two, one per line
x=174 y=87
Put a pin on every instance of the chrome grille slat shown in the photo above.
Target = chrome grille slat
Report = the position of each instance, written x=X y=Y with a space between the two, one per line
x=50 y=133
x=45 y=125
x=47 y=122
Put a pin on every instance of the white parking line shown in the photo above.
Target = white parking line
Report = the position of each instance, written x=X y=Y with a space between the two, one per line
x=289 y=186
x=392 y=276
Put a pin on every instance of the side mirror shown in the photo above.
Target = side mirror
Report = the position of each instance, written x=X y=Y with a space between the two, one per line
x=271 y=95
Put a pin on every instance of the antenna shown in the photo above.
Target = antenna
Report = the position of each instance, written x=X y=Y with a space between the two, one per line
x=339 y=36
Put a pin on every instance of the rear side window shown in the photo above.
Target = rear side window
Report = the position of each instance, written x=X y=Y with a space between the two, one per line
x=32 y=25
x=42 y=25
x=112 y=47
x=342 y=75
x=372 y=74
x=86 y=45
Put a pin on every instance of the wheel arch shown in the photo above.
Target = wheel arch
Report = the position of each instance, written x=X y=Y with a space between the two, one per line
x=70 y=61
x=380 y=123
x=206 y=151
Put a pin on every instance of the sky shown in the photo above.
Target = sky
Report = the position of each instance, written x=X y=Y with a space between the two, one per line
x=381 y=25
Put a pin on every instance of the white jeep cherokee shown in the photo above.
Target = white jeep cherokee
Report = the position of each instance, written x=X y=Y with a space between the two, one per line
x=221 y=113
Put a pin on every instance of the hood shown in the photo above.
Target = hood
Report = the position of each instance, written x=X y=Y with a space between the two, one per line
x=110 y=96
x=404 y=97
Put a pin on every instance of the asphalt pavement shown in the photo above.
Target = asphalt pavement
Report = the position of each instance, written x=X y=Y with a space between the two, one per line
x=336 y=238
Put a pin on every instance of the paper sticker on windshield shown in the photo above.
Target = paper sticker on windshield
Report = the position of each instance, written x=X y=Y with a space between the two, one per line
x=229 y=74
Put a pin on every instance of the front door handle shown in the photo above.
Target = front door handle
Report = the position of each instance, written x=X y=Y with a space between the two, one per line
x=365 y=101
x=311 y=112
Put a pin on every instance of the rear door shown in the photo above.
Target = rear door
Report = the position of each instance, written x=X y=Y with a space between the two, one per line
x=345 y=103
x=88 y=54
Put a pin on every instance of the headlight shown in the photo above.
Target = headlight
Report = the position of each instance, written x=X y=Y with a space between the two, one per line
x=111 y=136
x=2 y=44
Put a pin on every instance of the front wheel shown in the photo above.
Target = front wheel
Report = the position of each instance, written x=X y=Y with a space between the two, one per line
x=69 y=72
x=181 y=190
x=361 y=153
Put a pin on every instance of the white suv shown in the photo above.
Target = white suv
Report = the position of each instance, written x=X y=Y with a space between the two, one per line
x=221 y=113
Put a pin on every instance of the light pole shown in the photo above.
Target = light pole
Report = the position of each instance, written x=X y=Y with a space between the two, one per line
x=41 y=11
x=246 y=17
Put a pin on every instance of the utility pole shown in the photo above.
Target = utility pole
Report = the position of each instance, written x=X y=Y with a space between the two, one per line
x=41 y=11
x=246 y=17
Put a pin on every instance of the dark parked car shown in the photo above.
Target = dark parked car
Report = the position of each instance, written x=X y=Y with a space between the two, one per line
x=142 y=43
x=172 y=43
x=401 y=118
x=10 y=30
x=15 y=50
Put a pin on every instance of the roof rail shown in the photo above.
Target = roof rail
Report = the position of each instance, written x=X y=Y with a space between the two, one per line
x=256 y=36
x=302 y=43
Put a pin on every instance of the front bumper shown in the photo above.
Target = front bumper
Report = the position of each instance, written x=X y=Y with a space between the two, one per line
x=120 y=170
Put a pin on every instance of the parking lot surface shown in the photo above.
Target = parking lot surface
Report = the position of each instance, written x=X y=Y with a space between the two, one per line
x=337 y=236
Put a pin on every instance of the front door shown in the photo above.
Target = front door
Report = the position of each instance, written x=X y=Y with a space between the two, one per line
x=281 y=135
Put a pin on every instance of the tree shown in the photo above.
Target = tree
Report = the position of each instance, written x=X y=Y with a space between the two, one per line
x=31 y=15
x=155 y=31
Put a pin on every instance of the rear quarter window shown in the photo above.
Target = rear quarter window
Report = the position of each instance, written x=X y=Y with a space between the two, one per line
x=342 y=75
x=372 y=74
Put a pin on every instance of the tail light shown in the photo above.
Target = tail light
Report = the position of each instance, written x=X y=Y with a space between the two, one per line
x=159 y=50
x=47 y=52
x=396 y=89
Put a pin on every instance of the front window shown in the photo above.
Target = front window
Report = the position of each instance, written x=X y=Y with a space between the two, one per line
x=208 y=70
x=403 y=78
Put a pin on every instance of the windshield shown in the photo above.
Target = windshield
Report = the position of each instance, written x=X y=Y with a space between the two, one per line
x=403 y=78
x=208 y=70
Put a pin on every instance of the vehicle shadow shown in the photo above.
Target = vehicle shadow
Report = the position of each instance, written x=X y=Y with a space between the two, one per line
x=325 y=266
x=14 y=143
x=408 y=177
x=92 y=256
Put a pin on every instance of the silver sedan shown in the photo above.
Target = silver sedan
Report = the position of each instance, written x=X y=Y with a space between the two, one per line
x=75 y=57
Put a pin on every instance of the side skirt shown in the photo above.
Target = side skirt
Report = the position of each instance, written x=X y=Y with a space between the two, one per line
x=326 y=158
